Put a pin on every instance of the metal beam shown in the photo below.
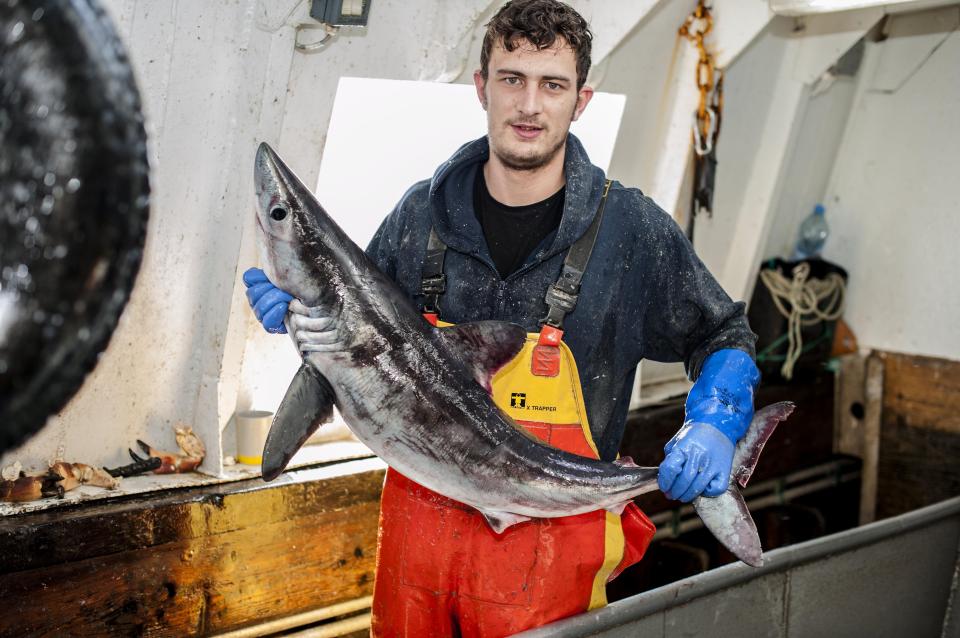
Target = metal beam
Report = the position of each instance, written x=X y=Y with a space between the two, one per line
x=612 y=21
x=815 y=7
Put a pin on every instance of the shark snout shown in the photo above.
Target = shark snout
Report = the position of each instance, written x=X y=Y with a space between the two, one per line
x=265 y=169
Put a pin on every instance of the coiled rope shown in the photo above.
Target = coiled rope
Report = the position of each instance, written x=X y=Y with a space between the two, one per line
x=804 y=302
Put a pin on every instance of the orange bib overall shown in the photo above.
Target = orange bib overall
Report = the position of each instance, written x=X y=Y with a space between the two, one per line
x=441 y=569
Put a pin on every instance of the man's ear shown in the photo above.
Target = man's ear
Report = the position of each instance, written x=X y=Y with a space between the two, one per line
x=583 y=98
x=481 y=85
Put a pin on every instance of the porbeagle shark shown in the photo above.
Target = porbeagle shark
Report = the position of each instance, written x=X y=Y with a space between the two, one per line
x=419 y=396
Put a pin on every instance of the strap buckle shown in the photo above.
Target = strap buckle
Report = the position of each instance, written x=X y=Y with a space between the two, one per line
x=559 y=303
x=434 y=284
x=562 y=296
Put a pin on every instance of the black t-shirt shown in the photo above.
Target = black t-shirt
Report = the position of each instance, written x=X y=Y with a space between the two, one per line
x=513 y=232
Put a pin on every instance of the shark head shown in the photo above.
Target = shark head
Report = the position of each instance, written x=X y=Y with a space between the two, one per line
x=292 y=237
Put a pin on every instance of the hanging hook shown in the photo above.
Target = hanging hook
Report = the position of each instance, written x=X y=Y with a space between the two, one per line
x=700 y=145
x=319 y=45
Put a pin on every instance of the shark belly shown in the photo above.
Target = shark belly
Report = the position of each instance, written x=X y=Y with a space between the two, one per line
x=449 y=437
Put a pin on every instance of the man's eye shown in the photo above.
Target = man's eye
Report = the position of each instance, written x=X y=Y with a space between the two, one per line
x=553 y=86
x=512 y=81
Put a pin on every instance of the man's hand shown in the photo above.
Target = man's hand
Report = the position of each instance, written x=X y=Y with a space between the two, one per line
x=699 y=459
x=269 y=303
x=313 y=329
x=719 y=409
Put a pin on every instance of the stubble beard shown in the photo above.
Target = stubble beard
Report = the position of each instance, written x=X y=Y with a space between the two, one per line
x=517 y=162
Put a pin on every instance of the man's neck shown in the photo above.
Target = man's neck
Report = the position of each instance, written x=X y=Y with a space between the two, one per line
x=513 y=187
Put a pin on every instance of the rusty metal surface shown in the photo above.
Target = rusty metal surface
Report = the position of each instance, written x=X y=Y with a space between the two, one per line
x=890 y=578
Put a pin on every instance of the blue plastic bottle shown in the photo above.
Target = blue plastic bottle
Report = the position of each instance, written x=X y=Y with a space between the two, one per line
x=813 y=233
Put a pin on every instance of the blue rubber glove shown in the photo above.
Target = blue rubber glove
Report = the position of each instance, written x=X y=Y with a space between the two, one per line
x=269 y=303
x=718 y=412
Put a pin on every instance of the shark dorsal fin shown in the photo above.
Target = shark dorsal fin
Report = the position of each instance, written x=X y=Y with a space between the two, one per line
x=484 y=346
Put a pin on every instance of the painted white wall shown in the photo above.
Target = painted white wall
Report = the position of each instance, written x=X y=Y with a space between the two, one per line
x=767 y=82
x=880 y=153
x=810 y=47
x=811 y=164
x=893 y=199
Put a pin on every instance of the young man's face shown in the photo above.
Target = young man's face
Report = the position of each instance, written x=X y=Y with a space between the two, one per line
x=531 y=98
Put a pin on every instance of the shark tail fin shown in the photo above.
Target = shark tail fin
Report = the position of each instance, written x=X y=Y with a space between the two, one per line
x=729 y=520
x=727 y=516
x=748 y=450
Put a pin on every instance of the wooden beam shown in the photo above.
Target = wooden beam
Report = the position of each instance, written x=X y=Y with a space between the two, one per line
x=920 y=434
x=192 y=562
x=873 y=394
x=849 y=406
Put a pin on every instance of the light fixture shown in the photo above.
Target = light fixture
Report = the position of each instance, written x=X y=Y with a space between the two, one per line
x=341 y=13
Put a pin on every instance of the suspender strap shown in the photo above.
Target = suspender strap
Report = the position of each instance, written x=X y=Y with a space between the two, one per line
x=562 y=296
x=433 y=282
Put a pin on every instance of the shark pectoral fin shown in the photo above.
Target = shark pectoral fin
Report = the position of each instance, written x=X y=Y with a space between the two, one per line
x=729 y=520
x=484 y=346
x=499 y=521
x=761 y=427
x=307 y=404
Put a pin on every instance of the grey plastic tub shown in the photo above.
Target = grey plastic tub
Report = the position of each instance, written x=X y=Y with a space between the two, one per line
x=896 y=577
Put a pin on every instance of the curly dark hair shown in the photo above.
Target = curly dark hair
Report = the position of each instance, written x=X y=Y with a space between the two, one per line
x=540 y=22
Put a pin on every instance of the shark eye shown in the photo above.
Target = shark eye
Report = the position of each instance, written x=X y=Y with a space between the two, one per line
x=278 y=214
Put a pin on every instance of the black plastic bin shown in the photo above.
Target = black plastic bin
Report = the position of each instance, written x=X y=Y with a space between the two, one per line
x=771 y=326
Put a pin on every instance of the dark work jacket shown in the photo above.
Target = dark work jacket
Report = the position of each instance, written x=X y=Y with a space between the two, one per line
x=644 y=295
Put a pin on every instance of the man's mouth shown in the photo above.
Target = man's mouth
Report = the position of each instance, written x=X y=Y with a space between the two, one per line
x=526 y=131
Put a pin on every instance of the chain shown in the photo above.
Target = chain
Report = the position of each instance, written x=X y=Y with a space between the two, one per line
x=709 y=79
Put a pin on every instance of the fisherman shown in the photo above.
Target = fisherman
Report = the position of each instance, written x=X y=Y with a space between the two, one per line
x=519 y=226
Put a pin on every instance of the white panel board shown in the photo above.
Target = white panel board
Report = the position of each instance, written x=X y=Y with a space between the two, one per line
x=385 y=135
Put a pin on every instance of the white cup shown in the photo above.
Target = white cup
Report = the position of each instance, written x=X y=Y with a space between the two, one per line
x=252 y=429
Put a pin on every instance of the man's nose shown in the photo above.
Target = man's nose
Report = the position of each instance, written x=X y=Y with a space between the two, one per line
x=531 y=102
